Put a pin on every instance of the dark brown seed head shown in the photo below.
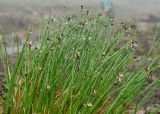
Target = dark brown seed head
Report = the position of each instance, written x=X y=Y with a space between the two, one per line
x=146 y=69
x=36 y=47
x=29 y=45
x=78 y=55
x=112 y=17
x=78 y=68
x=125 y=28
x=116 y=82
x=69 y=19
x=112 y=24
x=135 y=57
x=25 y=74
x=48 y=39
x=81 y=7
x=121 y=23
x=82 y=24
x=87 y=13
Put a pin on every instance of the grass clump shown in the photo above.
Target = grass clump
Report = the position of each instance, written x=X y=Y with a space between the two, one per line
x=81 y=67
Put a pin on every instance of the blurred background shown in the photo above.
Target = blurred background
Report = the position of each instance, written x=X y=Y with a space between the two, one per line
x=18 y=14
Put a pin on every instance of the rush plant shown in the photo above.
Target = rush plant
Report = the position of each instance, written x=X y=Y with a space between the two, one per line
x=86 y=65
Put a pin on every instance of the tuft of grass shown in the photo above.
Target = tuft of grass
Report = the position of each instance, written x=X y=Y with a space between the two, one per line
x=82 y=67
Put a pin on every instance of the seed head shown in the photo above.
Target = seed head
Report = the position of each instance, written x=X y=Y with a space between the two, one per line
x=53 y=19
x=112 y=24
x=68 y=19
x=121 y=23
x=29 y=44
x=100 y=14
x=120 y=77
x=103 y=54
x=82 y=7
x=136 y=57
x=146 y=68
x=89 y=104
x=78 y=55
x=94 y=92
x=87 y=13
x=78 y=68
x=82 y=24
x=48 y=86
x=36 y=47
x=66 y=22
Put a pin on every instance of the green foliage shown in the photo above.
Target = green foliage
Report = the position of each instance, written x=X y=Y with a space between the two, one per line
x=82 y=67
